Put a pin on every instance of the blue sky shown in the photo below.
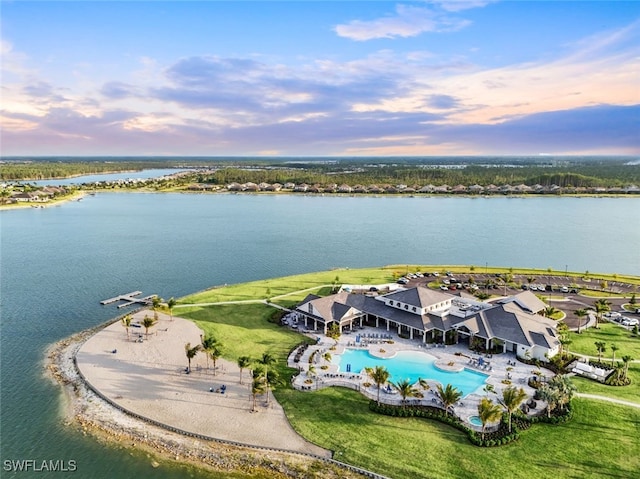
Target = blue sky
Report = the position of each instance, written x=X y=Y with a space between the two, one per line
x=456 y=77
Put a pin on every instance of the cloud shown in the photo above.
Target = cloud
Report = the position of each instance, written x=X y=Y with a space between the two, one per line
x=609 y=128
x=408 y=21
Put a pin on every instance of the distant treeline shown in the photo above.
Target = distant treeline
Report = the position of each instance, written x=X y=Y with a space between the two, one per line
x=575 y=176
x=483 y=171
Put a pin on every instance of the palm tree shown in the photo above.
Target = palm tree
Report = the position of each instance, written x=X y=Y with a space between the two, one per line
x=191 y=353
x=156 y=301
x=267 y=360
x=614 y=348
x=214 y=353
x=148 y=322
x=379 y=375
x=550 y=396
x=327 y=356
x=170 y=304
x=601 y=346
x=581 y=313
x=243 y=362
x=258 y=386
x=208 y=342
x=601 y=306
x=406 y=390
x=564 y=387
x=511 y=400
x=126 y=322
x=424 y=384
x=565 y=341
x=449 y=396
x=488 y=412
x=549 y=311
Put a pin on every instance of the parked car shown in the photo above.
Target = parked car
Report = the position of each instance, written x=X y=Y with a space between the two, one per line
x=629 y=321
x=565 y=289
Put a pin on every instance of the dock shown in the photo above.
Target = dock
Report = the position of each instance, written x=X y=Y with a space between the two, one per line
x=129 y=299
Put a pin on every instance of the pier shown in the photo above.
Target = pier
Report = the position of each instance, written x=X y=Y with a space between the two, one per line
x=129 y=299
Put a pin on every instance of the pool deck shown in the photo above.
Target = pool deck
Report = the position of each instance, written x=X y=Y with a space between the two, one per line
x=386 y=344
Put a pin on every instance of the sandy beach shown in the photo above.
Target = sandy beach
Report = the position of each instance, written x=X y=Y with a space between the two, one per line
x=148 y=378
x=146 y=375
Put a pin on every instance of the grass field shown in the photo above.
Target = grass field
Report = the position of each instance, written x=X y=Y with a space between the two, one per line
x=599 y=442
x=596 y=443
x=584 y=343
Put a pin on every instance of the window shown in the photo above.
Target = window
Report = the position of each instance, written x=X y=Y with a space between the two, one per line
x=406 y=306
x=414 y=309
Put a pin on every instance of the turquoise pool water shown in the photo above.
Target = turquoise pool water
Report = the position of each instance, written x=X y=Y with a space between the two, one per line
x=475 y=420
x=410 y=365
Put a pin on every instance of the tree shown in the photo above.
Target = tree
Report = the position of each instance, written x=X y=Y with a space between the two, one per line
x=614 y=347
x=156 y=301
x=550 y=396
x=170 y=304
x=327 y=356
x=258 y=386
x=379 y=375
x=511 y=400
x=488 y=412
x=449 y=395
x=601 y=346
x=126 y=322
x=333 y=331
x=243 y=363
x=208 y=342
x=581 y=313
x=214 y=353
x=191 y=353
x=148 y=322
x=424 y=384
x=601 y=306
x=266 y=361
x=405 y=389
x=633 y=300
x=549 y=311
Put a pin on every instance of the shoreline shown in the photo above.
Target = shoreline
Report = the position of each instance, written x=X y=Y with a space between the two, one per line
x=83 y=409
x=75 y=196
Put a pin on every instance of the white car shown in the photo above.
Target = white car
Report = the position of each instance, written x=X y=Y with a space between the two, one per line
x=629 y=321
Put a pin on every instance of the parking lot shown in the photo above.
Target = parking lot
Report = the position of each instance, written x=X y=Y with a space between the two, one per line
x=561 y=292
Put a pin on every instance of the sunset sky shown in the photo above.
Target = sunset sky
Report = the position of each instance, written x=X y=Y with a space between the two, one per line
x=320 y=78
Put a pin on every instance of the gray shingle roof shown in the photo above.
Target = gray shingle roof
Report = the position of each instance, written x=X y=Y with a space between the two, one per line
x=419 y=296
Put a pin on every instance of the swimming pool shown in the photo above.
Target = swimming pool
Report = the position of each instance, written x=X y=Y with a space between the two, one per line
x=410 y=365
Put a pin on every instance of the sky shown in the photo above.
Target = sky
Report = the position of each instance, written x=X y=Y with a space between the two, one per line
x=326 y=78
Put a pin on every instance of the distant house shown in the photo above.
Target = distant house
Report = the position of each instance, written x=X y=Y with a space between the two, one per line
x=431 y=315
x=29 y=197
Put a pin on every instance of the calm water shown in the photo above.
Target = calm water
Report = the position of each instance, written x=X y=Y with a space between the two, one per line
x=411 y=365
x=58 y=263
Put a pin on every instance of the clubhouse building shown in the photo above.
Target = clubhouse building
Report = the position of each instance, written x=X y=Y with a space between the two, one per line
x=420 y=313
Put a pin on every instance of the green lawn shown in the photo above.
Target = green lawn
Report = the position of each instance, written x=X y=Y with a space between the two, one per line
x=598 y=442
x=244 y=330
x=626 y=393
x=629 y=344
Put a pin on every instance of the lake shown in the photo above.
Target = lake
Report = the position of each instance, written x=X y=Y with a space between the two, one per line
x=57 y=263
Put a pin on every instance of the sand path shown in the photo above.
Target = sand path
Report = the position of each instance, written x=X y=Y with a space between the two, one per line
x=148 y=378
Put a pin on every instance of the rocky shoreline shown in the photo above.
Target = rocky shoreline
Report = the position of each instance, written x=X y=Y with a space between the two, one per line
x=95 y=417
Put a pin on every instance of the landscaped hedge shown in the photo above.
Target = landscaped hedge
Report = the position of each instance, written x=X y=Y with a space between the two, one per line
x=500 y=437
